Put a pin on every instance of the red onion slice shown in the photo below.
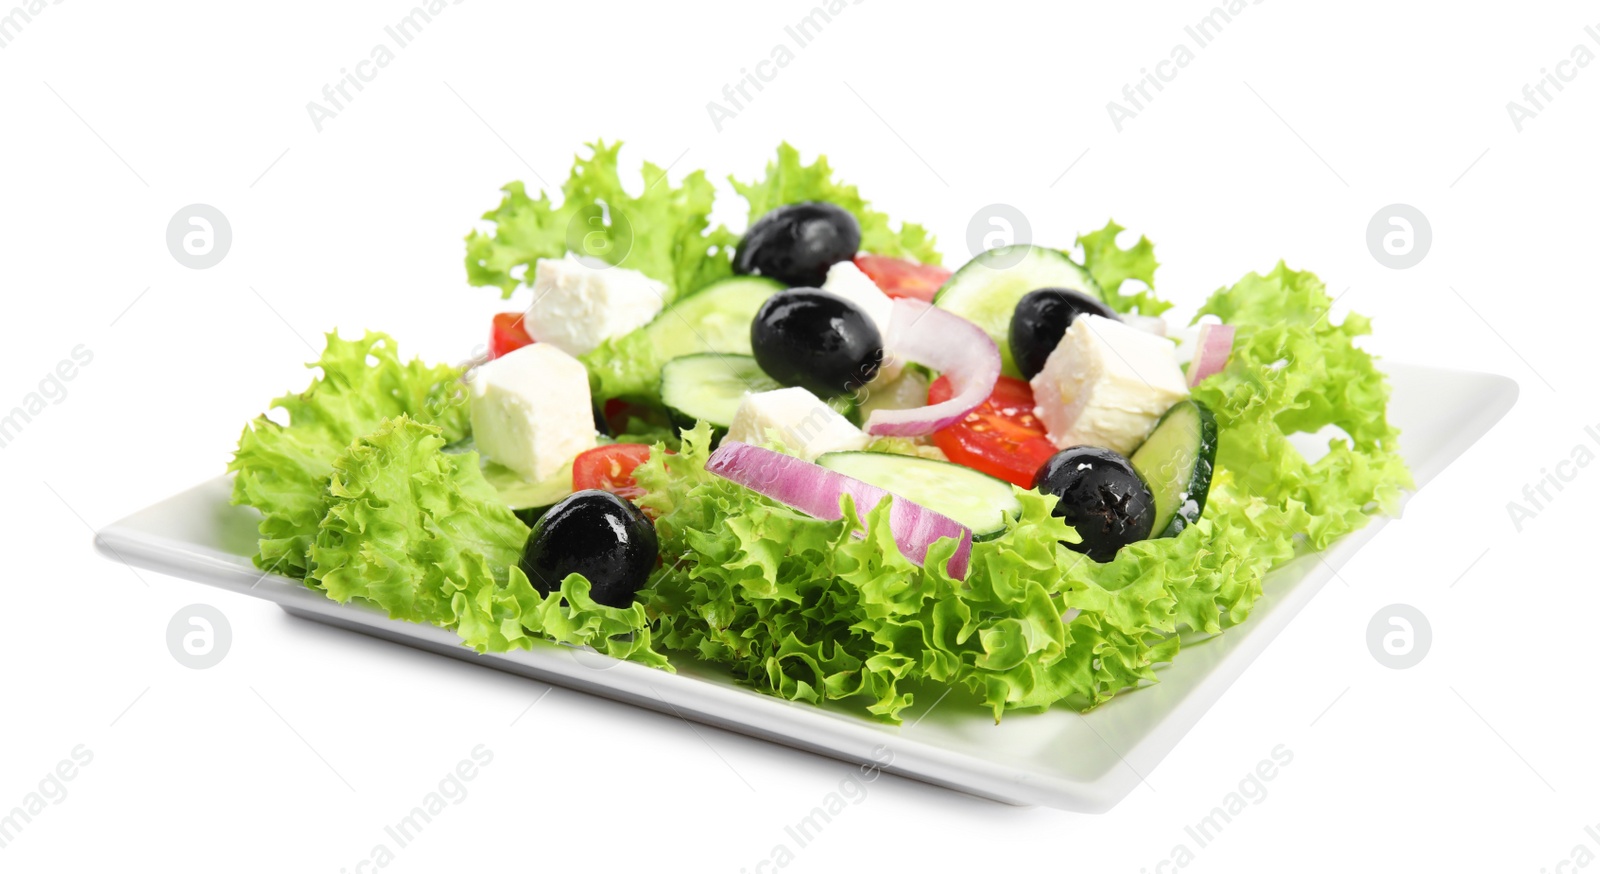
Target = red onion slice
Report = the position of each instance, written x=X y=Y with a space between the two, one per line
x=815 y=491
x=942 y=341
x=1211 y=350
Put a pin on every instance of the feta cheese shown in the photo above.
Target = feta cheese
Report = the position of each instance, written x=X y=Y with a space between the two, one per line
x=796 y=418
x=1106 y=384
x=578 y=305
x=846 y=280
x=1150 y=324
x=531 y=410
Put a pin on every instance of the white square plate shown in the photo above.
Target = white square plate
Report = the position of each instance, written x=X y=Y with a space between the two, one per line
x=1059 y=758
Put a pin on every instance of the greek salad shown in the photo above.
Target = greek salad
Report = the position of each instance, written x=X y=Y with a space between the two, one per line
x=812 y=455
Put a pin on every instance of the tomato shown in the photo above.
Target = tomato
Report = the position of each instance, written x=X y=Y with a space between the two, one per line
x=610 y=468
x=1002 y=437
x=900 y=278
x=507 y=335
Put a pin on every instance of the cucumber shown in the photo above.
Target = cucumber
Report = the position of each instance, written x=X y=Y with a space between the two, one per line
x=974 y=499
x=908 y=390
x=986 y=289
x=529 y=500
x=1176 y=461
x=715 y=319
x=708 y=387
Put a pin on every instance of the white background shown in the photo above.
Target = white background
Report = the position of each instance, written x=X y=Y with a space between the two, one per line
x=1281 y=140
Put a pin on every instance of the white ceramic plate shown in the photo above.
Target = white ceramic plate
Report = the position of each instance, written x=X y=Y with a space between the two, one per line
x=1059 y=758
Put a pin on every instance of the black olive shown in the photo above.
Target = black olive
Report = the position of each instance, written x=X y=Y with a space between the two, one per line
x=1040 y=320
x=1101 y=496
x=596 y=534
x=820 y=341
x=600 y=423
x=797 y=243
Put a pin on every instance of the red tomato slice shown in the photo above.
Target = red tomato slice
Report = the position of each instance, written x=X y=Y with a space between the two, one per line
x=610 y=468
x=899 y=278
x=1002 y=437
x=507 y=335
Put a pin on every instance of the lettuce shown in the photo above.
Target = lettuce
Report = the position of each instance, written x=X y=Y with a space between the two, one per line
x=789 y=181
x=516 y=615
x=1111 y=265
x=664 y=232
x=1293 y=370
x=359 y=498
x=421 y=534
x=283 y=470
x=409 y=527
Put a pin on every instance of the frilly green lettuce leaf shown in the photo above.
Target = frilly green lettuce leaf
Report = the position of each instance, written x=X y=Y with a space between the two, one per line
x=283 y=470
x=421 y=534
x=1111 y=266
x=409 y=526
x=789 y=181
x=664 y=232
x=1293 y=369
x=515 y=615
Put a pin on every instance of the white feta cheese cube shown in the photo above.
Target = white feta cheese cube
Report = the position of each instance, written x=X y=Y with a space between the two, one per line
x=531 y=410
x=1149 y=324
x=846 y=280
x=578 y=305
x=1106 y=384
x=796 y=418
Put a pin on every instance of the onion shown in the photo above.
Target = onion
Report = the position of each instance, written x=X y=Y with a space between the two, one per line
x=944 y=342
x=1211 y=351
x=815 y=491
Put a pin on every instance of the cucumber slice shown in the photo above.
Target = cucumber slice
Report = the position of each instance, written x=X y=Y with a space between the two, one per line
x=715 y=319
x=1176 y=461
x=974 y=499
x=708 y=388
x=986 y=289
x=529 y=500
x=908 y=390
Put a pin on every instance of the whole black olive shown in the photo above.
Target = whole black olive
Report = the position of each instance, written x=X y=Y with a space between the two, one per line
x=599 y=535
x=816 y=340
x=1101 y=496
x=1042 y=318
x=797 y=243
